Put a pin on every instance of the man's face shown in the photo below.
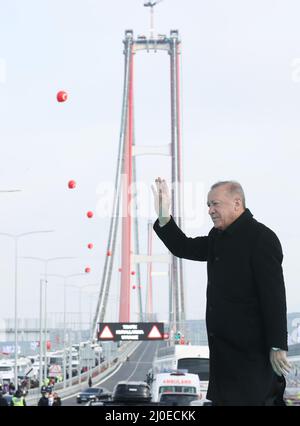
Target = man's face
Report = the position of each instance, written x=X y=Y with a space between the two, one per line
x=224 y=208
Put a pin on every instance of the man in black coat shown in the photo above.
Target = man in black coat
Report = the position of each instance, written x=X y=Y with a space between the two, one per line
x=3 y=401
x=43 y=401
x=246 y=302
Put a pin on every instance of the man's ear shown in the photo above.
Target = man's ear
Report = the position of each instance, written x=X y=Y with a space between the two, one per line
x=237 y=203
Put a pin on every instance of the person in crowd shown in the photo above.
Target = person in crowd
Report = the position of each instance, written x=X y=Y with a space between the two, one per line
x=18 y=400
x=56 y=400
x=3 y=400
x=43 y=401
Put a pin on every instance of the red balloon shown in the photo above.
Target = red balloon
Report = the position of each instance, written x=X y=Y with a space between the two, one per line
x=48 y=345
x=61 y=96
x=108 y=253
x=87 y=269
x=90 y=214
x=132 y=273
x=133 y=287
x=71 y=184
x=90 y=245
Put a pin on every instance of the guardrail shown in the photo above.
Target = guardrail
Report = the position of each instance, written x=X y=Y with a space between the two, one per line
x=76 y=383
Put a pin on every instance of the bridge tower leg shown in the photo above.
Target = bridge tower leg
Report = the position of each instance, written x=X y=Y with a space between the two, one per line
x=124 y=311
x=176 y=158
x=149 y=303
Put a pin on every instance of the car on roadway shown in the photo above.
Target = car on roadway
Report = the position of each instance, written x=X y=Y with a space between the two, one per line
x=128 y=393
x=131 y=391
x=200 y=402
x=90 y=394
x=177 y=398
x=104 y=397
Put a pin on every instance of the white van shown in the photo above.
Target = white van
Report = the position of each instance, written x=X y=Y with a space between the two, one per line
x=192 y=359
x=7 y=371
x=175 y=382
x=7 y=368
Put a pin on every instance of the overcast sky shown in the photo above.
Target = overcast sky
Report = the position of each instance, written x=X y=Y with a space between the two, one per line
x=240 y=94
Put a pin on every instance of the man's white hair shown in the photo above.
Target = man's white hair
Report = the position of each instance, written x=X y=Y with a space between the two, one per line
x=233 y=187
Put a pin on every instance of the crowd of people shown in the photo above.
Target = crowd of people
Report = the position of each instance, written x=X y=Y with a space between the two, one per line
x=9 y=396
x=49 y=399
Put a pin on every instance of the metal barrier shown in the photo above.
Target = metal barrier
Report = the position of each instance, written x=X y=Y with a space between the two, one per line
x=77 y=382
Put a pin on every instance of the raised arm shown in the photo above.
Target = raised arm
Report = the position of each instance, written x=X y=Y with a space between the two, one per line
x=162 y=201
x=170 y=234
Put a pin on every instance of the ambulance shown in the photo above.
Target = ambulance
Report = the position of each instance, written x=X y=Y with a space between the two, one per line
x=177 y=381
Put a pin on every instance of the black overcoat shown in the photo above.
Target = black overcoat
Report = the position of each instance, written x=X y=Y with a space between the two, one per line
x=245 y=306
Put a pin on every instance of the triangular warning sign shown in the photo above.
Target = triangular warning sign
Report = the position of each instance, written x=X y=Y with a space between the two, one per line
x=154 y=333
x=106 y=333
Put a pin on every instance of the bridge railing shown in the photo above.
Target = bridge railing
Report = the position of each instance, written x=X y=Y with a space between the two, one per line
x=98 y=373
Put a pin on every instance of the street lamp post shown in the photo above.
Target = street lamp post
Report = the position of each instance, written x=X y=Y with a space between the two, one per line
x=80 y=288
x=43 y=345
x=16 y=238
x=91 y=297
x=65 y=278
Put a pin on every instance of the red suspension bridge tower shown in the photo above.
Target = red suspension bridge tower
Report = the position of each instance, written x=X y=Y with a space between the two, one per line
x=125 y=177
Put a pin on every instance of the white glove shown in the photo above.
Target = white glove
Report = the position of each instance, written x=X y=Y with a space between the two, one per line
x=162 y=200
x=279 y=362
